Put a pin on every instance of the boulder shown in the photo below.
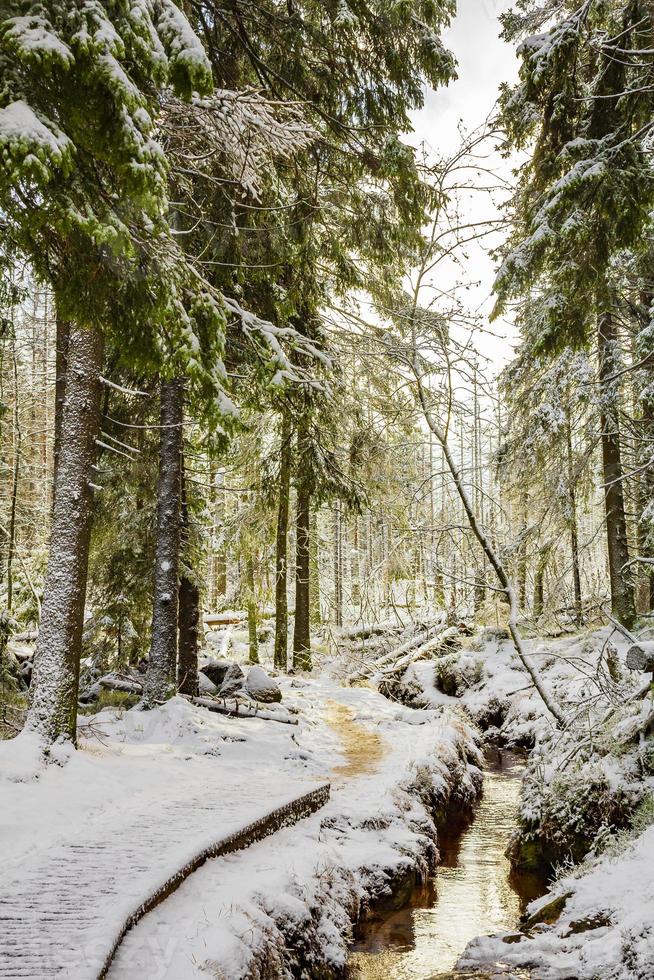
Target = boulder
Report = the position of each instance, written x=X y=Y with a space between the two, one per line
x=215 y=670
x=261 y=687
x=205 y=686
x=233 y=681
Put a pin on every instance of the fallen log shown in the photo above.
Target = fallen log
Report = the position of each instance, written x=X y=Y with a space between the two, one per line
x=237 y=709
x=111 y=682
x=417 y=640
x=428 y=649
x=368 y=631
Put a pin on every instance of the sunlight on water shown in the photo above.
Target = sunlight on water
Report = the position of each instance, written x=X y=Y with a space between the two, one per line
x=472 y=894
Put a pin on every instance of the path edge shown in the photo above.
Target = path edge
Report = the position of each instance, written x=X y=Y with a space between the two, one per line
x=284 y=816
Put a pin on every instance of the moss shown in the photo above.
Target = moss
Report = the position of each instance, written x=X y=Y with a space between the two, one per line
x=110 y=699
x=548 y=914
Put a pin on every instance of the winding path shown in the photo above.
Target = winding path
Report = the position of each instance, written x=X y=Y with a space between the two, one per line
x=64 y=912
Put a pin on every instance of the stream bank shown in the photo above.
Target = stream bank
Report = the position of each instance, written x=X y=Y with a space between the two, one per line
x=473 y=891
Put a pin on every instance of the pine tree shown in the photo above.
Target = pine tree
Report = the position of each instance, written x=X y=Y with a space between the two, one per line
x=83 y=194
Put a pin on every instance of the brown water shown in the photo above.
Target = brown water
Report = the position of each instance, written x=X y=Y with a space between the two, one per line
x=473 y=892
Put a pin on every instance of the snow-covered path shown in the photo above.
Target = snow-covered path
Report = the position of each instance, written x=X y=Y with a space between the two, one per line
x=286 y=903
x=63 y=912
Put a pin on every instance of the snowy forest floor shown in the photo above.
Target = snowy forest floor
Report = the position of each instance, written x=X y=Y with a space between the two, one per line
x=167 y=781
x=147 y=790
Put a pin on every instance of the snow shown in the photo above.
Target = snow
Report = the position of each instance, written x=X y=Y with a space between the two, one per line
x=132 y=766
x=33 y=36
x=612 y=903
x=311 y=878
x=21 y=128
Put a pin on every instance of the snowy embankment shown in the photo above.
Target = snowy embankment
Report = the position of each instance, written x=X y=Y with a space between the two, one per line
x=588 y=791
x=148 y=791
x=292 y=899
x=605 y=930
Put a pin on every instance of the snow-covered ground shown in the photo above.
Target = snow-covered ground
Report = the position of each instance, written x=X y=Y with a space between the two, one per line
x=486 y=677
x=293 y=895
x=292 y=898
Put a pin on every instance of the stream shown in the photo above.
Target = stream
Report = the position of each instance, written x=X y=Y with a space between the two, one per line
x=472 y=893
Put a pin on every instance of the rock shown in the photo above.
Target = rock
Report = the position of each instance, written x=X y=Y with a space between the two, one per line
x=91 y=694
x=600 y=920
x=215 y=670
x=205 y=686
x=261 y=687
x=548 y=914
x=640 y=656
x=233 y=681
x=214 y=638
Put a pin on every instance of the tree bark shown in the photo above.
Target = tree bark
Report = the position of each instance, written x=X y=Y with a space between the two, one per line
x=61 y=362
x=18 y=445
x=53 y=708
x=188 y=614
x=302 y=628
x=574 y=534
x=253 y=612
x=338 y=567
x=622 y=593
x=160 y=675
x=281 y=562
x=314 y=570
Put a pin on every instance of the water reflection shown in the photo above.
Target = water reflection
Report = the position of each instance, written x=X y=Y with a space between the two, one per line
x=473 y=892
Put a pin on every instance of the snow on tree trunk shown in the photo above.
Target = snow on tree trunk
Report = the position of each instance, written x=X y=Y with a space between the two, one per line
x=53 y=708
x=302 y=628
x=622 y=593
x=160 y=675
x=281 y=559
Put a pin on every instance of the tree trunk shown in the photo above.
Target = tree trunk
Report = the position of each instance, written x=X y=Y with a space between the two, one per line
x=493 y=558
x=622 y=593
x=338 y=567
x=539 y=583
x=302 y=629
x=281 y=569
x=160 y=675
x=61 y=362
x=574 y=535
x=18 y=446
x=253 y=612
x=314 y=571
x=188 y=615
x=53 y=708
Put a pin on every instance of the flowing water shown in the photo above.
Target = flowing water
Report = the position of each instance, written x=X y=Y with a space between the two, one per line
x=473 y=893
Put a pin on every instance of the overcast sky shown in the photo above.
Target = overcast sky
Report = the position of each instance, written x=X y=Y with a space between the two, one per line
x=484 y=61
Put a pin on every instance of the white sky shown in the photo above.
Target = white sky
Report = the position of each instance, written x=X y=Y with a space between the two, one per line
x=484 y=61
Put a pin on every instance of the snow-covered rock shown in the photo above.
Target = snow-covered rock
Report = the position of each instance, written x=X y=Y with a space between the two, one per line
x=205 y=686
x=262 y=687
x=215 y=670
x=233 y=681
